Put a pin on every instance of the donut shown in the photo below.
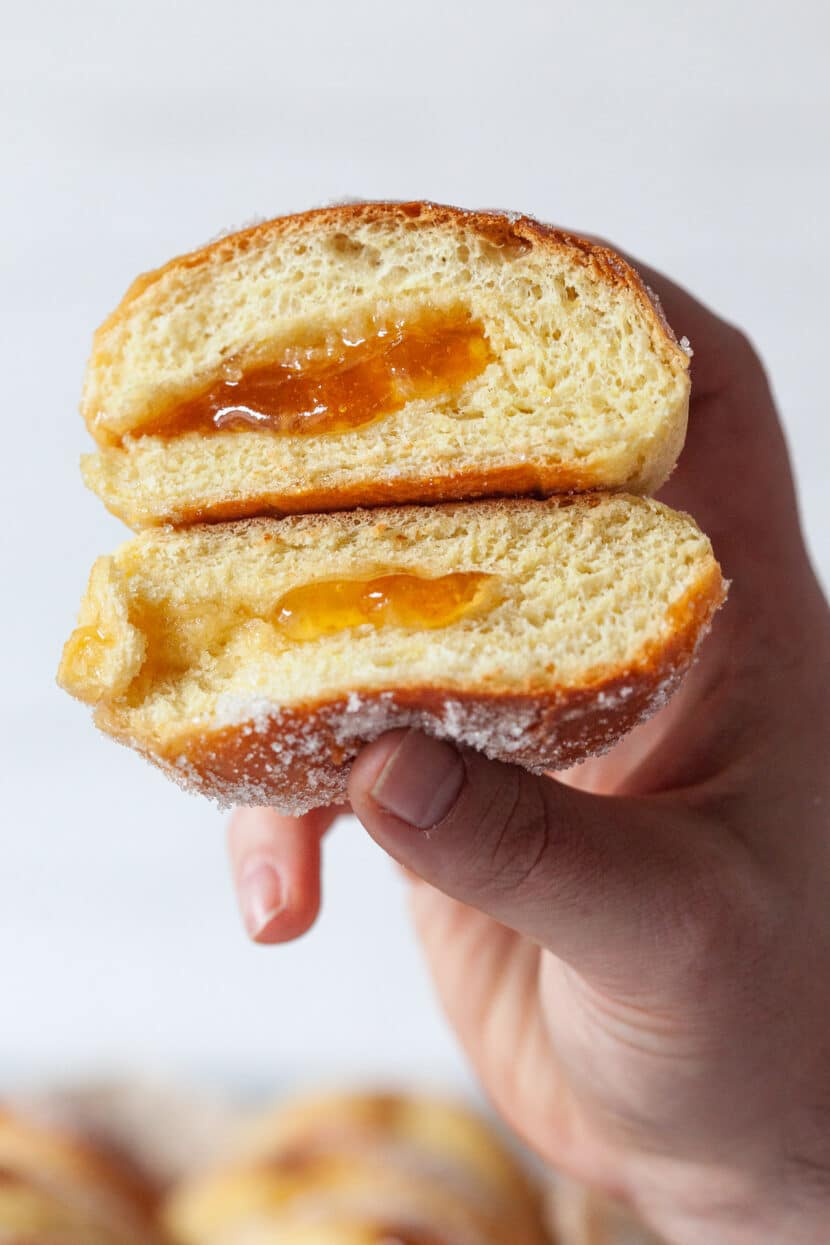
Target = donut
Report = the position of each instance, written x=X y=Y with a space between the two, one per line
x=252 y=660
x=362 y=1169
x=58 y=1188
x=377 y=354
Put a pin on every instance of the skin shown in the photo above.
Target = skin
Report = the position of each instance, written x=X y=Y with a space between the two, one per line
x=636 y=955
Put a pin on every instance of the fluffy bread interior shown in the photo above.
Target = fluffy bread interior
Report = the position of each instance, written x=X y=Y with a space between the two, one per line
x=585 y=386
x=177 y=635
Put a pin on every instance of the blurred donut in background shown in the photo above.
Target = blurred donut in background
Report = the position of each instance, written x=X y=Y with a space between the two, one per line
x=57 y=1188
x=361 y=1169
x=132 y=1165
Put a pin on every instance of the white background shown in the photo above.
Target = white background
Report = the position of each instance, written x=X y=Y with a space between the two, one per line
x=693 y=134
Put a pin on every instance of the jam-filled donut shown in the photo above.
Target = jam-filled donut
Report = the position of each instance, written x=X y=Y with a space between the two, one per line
x=57 y=1188
x=251 y=660
x=362 y=1169
x=379 y=353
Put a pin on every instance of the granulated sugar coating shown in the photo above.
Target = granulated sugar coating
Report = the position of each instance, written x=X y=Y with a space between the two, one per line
x=586 y=613
x=326 y=740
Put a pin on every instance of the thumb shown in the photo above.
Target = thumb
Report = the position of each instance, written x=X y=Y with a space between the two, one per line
x=600 y=881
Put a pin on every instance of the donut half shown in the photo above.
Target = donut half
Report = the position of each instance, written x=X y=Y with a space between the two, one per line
x=380 y=353
x=252 y=660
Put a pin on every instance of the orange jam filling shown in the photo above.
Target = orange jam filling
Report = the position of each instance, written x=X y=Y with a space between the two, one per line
x=332 y=605
x=177 y=641
x=335 y=386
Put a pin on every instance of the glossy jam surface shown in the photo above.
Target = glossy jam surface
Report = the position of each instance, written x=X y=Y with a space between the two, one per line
x=348 y=380
x=331 y=605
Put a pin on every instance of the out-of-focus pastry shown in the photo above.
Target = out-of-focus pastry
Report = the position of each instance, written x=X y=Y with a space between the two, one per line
x=380 y=1169
x=59 y=1189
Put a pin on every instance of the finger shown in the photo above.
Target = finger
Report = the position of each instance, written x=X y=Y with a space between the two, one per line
x=735 y=475
x=487 y=979
x=597 y=880
x=275 y=863
x=735 y=449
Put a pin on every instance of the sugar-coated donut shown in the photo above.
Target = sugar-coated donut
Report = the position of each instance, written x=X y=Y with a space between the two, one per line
x=362 y=1169
x=379 y=353
x=57 y=1188
x=251 y=660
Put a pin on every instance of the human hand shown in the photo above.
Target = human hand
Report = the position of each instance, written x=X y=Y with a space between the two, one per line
x=636 y=956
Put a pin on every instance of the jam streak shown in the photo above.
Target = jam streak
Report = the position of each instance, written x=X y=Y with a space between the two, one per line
x=328 y=606
x=332 y=388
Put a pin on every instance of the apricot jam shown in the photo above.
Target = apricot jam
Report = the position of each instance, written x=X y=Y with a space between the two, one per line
x=331 y=605
x=331 y=387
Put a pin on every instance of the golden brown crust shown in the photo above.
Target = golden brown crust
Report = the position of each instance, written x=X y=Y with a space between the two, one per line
x=332 y=1122
x=299 y=758
x=502 y=229
x=90 y=1177
x=505 y=231
x=495 y=483
x=375 y=1167
x=50 y=1149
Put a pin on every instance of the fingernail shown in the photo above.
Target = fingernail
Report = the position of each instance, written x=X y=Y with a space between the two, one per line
x=260 y=897
x=421 y=780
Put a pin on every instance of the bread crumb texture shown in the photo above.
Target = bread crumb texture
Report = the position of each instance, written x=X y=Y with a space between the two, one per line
x=585 y=386
x=591 y=611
